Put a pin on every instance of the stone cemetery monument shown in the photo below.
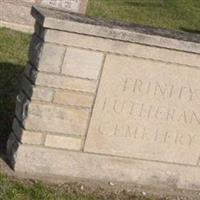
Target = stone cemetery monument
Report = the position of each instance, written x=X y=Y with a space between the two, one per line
x=109 y=102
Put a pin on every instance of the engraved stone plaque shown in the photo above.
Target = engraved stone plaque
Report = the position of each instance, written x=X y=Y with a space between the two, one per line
x=71 y=5
x=147 y=109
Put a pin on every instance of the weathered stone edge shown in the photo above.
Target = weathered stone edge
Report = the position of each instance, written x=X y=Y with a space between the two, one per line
x=70 y=22
x=44 y=161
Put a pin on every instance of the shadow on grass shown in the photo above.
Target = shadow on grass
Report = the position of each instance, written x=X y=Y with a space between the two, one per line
x=10 y=76
x=190 y=30
x=143 y=4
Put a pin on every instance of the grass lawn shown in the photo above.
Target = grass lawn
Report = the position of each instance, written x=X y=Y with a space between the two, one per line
x=15 y=190
x=30 y=190
x=172 y=14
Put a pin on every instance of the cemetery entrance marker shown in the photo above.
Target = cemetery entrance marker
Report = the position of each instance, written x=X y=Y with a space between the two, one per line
x=109 y=102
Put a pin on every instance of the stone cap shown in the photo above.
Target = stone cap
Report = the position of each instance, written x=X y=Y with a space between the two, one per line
x=77 y=23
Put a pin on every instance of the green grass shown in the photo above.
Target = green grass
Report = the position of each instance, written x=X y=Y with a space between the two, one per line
x=172 y=14
x=11 y=189
x=15 y=190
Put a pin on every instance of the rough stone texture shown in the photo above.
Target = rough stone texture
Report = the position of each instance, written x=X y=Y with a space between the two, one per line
x=113 y=103
x=12 y=148
x=39 y=30
x=96 y=167
x=21 y=110
x=30 y=72
x=35 y=50
x=52 y=118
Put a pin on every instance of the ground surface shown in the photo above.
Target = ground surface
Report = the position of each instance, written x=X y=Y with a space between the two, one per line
x=172 y=14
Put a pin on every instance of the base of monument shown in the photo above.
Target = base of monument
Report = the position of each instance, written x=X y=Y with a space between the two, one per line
x=60 y=163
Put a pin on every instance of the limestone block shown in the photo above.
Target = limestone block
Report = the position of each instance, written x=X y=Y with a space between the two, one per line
x=64 y=82
x=62 y=142
x=124 y=48
x=27 y=137
x=56 y=119
x=60 y=81
x=51 y=58
x=36 y=92
x=30 y=137
x=66 y=97
x=82 y=63
x=45 y=56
